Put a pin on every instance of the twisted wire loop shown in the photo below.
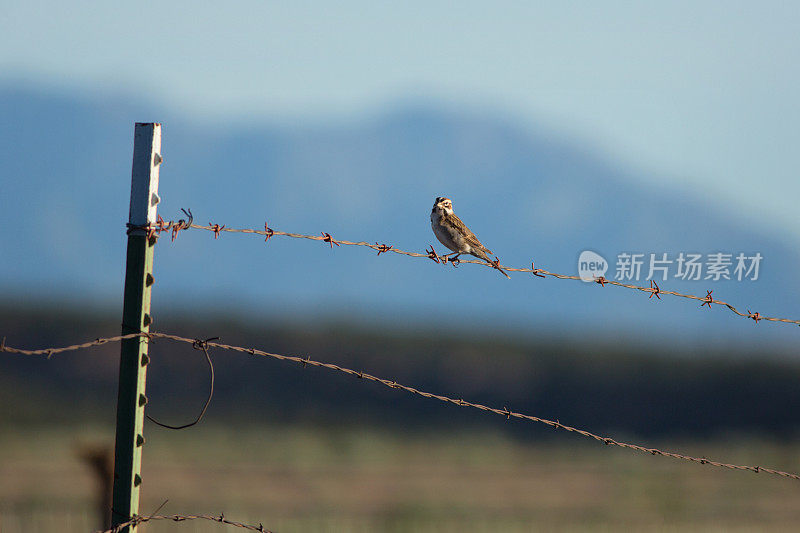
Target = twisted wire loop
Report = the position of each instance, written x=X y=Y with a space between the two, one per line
x=504 y=412
x=267 y=233
x=197 y=345
x=220 y=518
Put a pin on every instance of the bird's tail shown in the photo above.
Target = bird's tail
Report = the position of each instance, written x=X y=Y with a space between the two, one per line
x=503 y=272
x=495 y=264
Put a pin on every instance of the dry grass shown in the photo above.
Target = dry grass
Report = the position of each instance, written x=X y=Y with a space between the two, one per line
x=300 y=479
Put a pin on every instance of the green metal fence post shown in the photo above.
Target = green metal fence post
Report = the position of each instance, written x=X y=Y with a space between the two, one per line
x=135 y=317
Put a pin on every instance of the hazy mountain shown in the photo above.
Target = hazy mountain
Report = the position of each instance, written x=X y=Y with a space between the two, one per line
x=528 y=194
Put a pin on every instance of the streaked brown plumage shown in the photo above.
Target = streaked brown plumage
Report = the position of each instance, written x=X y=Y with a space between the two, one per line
x=454 y=234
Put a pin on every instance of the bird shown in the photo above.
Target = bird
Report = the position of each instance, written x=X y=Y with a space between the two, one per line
x=454 y=234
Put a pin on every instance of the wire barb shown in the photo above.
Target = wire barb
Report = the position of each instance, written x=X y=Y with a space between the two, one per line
x=654 y=290
x=216 y=228
x=267 y=232
x=329 y=239
x=433 y=255
x=708 y=300
x=496 y=265
x=181 y=224
x=382 y=248
x=152 y=233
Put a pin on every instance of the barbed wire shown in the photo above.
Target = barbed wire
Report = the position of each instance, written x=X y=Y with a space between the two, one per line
x=505 y=411
x=220 y=518
x=154 y=230
x=49 y=352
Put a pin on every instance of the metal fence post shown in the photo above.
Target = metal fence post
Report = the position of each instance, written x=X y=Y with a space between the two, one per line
x=136 y=317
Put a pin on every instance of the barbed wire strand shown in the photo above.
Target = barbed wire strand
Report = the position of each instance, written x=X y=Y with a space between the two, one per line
x=505 y=411
x=220 y=518
x=153 y=230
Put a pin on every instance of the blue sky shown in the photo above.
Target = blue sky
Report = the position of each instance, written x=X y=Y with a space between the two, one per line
x=699 y=98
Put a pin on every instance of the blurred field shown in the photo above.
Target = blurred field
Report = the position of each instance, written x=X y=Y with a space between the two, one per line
x=303 y=449
x=303 y=479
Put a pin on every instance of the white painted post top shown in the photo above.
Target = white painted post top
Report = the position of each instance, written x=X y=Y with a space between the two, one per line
x=144 y=176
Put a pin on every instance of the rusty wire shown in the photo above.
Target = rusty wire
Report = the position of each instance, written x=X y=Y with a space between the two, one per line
x=267 y=233
x=220 y=518
x=505 y=411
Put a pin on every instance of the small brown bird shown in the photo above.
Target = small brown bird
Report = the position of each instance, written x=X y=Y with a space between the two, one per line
x=454 y=234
